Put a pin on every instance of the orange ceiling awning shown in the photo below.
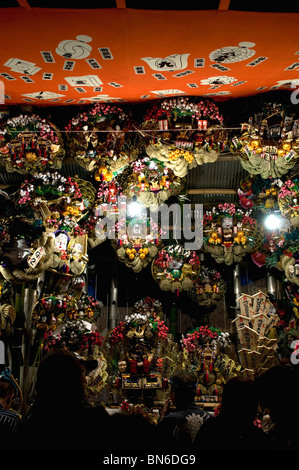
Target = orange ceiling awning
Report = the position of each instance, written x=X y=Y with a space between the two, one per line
x=58 y=56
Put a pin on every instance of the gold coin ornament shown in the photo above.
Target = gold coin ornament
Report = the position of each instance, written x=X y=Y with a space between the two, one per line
x=137 y=242
x=29 y=143
x=176 y=269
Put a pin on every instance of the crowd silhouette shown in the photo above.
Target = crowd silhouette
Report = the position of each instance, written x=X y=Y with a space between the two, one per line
x=61 y=418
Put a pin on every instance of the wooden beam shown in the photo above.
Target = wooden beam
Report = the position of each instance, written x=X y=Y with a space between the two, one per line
x=211 y=191
x=24 y=4
x=121 y=3
x=223 y=4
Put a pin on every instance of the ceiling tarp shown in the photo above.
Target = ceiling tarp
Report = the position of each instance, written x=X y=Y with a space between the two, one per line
x=58 y=56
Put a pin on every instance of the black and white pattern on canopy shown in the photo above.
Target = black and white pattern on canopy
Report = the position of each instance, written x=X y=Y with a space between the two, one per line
x=218 y=80
x=75 y=48
x=231 y=54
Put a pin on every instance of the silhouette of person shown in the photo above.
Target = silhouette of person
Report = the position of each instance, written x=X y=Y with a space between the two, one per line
x=9 y=418
x=60 y=417
x=178 y=428
x=278 y=396
x=233 y=428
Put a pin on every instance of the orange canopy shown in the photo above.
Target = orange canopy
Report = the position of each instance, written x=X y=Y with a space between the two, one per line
x=57 y=56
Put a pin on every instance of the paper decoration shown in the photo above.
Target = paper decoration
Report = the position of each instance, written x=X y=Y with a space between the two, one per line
x=253 y=325
x=151 y=70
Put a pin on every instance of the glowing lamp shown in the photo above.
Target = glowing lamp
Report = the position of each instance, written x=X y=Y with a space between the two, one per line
x=272 y=222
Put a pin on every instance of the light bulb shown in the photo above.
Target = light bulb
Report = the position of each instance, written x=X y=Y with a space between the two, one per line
x=134 y=209
x=272 y=222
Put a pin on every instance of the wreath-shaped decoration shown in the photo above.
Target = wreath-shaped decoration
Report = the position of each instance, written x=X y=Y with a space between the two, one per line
x=60 y=203
x=78 y=337
x=208 y=288
x=49 y=313
x=151 y=182
x=97 y=132
x=140 y=352
x=178 y=112
x=230 y=233
x=185 y=149
x=288 y=201
x=52 y=312
x=264 y=157
x=254 y=325
x=205 y=351
x=27 y=250
x=29 y=143
x=137 y=246
x=175 y=268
